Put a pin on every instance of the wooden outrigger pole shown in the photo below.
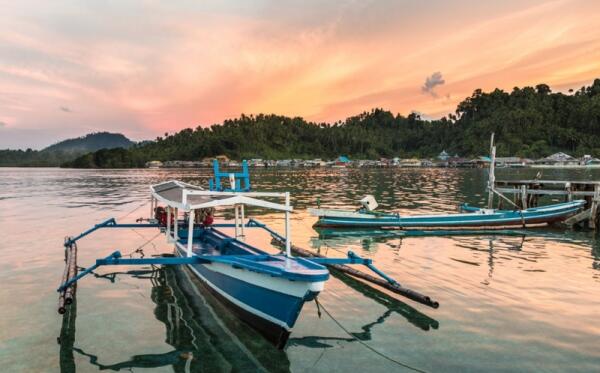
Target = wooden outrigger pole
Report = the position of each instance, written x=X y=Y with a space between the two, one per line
x=68 y=285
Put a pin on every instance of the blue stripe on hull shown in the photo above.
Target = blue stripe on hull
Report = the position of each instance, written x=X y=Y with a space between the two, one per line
x=282 y=307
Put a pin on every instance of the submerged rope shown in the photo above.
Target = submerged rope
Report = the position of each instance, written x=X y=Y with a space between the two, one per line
x=369 y=347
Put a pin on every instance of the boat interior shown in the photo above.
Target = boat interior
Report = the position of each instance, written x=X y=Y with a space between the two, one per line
x=210 y=242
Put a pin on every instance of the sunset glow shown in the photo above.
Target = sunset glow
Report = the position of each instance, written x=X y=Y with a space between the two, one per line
x=144 y=68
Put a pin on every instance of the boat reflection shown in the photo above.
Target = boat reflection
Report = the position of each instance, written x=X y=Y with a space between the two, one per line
x=343 y=237
x=412 y=315
x=66 y=339
x=495 y=243
x=393 y=305
x=204 y=336
x=322 y=342
x=596 y=257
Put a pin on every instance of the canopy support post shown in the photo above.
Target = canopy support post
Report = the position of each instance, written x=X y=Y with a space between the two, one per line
x=190 y=233
x=288 y=245
x=169 y=239
x=151 y=207
x=242 y=236
x=176 y=227
x=236 y=221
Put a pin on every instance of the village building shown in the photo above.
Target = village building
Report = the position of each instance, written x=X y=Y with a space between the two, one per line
x=558 y=159
x=410 y=162
x=342 y=161
x=512 y=162
x=154 y=164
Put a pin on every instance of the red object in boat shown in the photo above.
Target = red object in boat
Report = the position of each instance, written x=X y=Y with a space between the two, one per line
x=208 y=220
x=160 y=214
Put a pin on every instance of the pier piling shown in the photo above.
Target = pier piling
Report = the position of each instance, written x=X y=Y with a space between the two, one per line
x=526 y=193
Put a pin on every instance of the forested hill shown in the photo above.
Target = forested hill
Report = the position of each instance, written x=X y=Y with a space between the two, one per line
x=91 y=143
x=529 y=122
x=64 y=151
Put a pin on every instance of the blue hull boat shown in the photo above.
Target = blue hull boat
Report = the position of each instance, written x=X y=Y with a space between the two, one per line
x=474 y=218
x=266 y=290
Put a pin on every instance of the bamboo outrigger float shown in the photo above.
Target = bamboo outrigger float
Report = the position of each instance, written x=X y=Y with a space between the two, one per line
x=265 y=290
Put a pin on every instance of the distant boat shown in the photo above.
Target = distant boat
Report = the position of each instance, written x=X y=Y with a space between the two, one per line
x=474 y=218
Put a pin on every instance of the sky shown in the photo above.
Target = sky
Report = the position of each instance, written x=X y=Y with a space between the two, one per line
x=143 y=68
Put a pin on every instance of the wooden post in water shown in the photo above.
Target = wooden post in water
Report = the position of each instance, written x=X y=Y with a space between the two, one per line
x=594 y=208
x=534 y=197
x=523 y=197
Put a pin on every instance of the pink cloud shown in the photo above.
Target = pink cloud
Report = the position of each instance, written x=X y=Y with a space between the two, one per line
x=159 y=67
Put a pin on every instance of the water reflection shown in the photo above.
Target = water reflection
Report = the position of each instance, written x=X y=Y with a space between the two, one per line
x=536 y=293
x=596 y=256
x=204 y=336
x=412 y=315
x=370 y=238
x=503 y=244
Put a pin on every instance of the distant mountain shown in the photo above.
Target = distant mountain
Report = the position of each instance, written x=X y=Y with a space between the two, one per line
x=64 y=151
x=91 y=143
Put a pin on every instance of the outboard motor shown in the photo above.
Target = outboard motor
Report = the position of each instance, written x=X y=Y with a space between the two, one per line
x=369 y=203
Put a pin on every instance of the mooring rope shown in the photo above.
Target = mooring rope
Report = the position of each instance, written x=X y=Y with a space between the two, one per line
x=140 y=248
x=369 y=347
x=506 y=199
x=134 y=210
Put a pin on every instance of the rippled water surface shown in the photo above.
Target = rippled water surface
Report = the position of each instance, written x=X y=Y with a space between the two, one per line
x=509 y=302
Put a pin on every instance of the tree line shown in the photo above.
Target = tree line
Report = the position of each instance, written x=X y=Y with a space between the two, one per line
x=529 y=122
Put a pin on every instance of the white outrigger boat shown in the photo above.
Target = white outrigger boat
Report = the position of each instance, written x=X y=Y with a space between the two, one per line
x=265 y=290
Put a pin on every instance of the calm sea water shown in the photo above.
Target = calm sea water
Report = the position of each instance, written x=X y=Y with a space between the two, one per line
x=511 y=302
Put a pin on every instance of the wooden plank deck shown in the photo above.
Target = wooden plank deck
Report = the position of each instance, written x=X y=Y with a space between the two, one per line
x=526 y=193
x=549 y=182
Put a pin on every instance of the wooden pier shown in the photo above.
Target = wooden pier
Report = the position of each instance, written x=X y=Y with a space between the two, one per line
x=526 y=193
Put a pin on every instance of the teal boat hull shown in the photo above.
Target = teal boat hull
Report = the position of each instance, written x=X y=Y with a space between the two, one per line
x=476 y=219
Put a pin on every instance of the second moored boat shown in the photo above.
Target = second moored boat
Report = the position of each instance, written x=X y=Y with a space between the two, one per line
x=473 y=218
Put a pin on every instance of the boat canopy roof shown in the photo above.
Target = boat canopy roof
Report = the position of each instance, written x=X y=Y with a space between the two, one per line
x=186 y=196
